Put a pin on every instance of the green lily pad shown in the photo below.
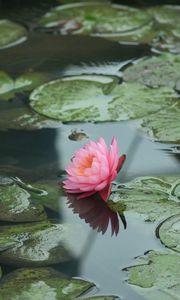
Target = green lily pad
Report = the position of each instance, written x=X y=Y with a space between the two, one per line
x=25 y=82
x=7 y=242
x=157 y=71
x=16 y=205
x=11 y=33
x=156 y=276
x=50 y=197
x=164 y=126
x=24 y=118
x=169 y=232
x=148 y=196
x=133 y=100
x=41 y=283
x=40 y=243
x=98 y=98
x=92 y=18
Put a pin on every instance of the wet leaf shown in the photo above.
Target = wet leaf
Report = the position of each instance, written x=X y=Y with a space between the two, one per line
x=16 y=205
x=149 y=197
x=164 y=126
x=11 y=33
x=157 y=71
x=50 y=196
x=41 y=244
x=26 y=82
x=133 y=100
x=92 y=18
x=7 y=242
x=41 y=283
x=24 y=118
x=156 y=276
x=169 y=232
x=98 y=98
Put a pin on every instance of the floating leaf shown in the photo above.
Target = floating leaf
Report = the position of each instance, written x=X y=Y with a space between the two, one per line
x=150 y=197
x=134 y=100
x=7 y=242
x=16 y=205
x=24 y=118
x=169 y=232
x=157 y=71
x=11 y=33
x=164 y=126
x=92 y=18
x=157 y=276
x=96 y=98
x=25 y=82
x=40 y=244
x=41 y=283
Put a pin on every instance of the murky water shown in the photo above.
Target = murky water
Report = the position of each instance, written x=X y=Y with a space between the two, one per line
x=43 y=154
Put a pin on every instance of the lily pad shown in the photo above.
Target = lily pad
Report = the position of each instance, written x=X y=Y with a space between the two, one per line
x=7 y=242
x=156 y=276
x=92 y=18
x=148 y=196
x=41 y=283
x=169 y=232
x=26 y=82
x=24 y=118
x=157 y=71
x=40 y=244
x=98 y=98
x=164 y=126
x=11 y=33
x=16 y=205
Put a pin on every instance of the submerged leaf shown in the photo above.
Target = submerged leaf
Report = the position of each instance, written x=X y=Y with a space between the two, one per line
x=150 y=197
x=159 y=272
x=169 y=232
x=40 y=244
x=157 y=71
x=41 y=283
x=11 y=33
x=164 y=126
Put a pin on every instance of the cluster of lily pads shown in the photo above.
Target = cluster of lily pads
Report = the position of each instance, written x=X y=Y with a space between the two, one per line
x=149 y=92
x=30 y=239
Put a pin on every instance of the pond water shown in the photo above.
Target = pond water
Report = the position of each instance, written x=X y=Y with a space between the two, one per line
x=41 y=155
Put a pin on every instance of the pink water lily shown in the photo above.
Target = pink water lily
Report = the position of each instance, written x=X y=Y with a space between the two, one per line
x=93 y=168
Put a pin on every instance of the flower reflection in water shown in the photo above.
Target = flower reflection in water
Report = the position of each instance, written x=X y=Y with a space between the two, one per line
x=97 y=213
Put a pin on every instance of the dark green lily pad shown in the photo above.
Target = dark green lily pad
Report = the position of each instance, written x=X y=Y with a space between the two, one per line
x=25 y=82
x=40 y=244
x=164 y=126
x=92 y=18
x=11 y=33
x=148 y=196
x=157 y=71
x=50 y=197
x=24 y=118
x=7 y=242
x=41 y=283
x=156 y=276
x=169 y=232
x=16 y=205
x=98 y=98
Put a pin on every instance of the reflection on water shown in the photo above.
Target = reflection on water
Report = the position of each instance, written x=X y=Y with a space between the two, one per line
x=97 y=213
